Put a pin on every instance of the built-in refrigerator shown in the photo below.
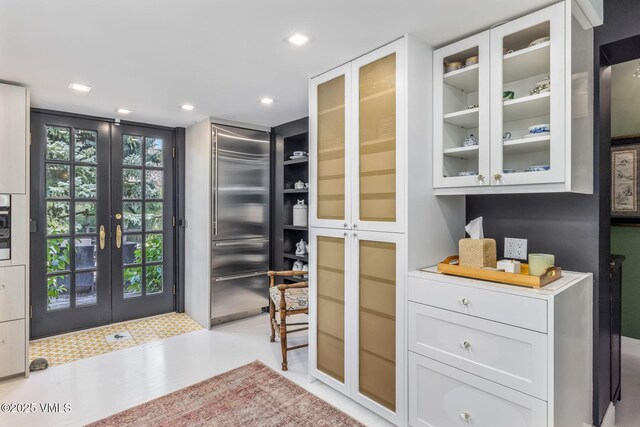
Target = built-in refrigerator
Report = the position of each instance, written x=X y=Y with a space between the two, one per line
x=240 y=222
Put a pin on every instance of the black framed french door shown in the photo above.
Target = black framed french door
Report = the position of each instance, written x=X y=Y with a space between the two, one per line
x=70 y=210
x=143 y=221
x=103 y=230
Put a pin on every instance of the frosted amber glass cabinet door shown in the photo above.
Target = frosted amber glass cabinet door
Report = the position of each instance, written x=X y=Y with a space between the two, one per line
x=379 y=293
x=379 y=140
x=330 y=115
x=328 y=287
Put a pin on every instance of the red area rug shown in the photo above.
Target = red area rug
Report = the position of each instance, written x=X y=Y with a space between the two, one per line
x=249 y=396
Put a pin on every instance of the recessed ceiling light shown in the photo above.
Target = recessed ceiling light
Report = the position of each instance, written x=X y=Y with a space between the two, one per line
x=267 y=100
x=187 y=107
x=124 y=111
x=298 y=39
x=79 y=87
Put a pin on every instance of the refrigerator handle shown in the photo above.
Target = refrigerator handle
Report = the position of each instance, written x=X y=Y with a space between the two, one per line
x=215 y=183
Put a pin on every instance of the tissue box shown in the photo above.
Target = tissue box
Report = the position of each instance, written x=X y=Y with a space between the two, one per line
x=477 y=253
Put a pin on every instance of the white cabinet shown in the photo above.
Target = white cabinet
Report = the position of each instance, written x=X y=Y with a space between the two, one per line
x=357 y=143
x=369 y=121
x=13 y=351
x=526 y=103
x=357 y=309
x=14 y=272
x=14 y=120
x=497 y=355
x=445 y=396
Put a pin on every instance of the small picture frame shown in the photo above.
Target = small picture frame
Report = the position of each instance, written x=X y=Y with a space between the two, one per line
x=625 y=180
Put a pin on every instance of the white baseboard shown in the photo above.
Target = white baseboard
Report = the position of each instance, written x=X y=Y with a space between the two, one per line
x=631 y=346
x=609 y=419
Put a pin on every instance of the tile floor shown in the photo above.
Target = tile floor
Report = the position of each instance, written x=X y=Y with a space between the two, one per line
x=109 y=383
x=80 y=345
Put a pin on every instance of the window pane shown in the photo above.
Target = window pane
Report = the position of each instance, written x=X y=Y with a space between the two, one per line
x=132 y=150
x=132 y=249
x=86 y=217
x=58 y=292
x=132 y=184
x=57 y=218
x=153 y=184
x=153 y=216
x=153 y=151
x=86 y=251
x=154 y=279
x=58 y=141
x=57 y=181
x=132 y=216
x=86 y=288
x=153 y=248
x=132 y=282
x=58 y=255
x=86 y=178
x=86 y=146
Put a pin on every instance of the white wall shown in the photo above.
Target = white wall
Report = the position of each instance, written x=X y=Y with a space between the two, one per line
x=625 y=99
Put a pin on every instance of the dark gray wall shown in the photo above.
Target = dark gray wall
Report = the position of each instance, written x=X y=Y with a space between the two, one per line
x=576 y=228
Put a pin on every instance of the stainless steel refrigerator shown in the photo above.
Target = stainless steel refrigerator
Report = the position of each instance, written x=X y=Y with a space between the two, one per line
x=240 y=229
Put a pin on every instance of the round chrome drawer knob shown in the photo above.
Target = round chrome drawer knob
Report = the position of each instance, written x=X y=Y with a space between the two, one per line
x=465 y=301
x=466 y=345
x=465 y=416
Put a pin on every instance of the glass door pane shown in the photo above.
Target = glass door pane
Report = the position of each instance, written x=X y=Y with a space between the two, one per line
x=331 y=306
x=70 y=265
x=377 y=321
x=462 y=126
x=143 y=222
x=526 y=105
x=331 y=150
x=377 y=141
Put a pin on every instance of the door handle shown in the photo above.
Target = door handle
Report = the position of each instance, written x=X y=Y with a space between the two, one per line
x=118 y=236
x=102 y=236
x=215 y=183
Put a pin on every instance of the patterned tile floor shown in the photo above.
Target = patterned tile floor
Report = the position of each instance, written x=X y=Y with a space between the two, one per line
x=80 y=345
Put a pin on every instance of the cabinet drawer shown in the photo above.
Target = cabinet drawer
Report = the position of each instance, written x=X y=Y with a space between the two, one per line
x=440 y=395
x=12 y=293
x=516 y=310
x=514 y=357
x=12 y=348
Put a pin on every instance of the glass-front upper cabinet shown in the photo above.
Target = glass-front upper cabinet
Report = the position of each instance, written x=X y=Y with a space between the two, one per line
x=330 y=111
x=528 y=94
x=378 y=102
x=461 y=112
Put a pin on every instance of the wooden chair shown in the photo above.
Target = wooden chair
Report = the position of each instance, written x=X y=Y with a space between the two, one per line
x=287 y=300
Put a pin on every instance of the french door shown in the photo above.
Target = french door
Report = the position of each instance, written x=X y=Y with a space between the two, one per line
x=102 y=223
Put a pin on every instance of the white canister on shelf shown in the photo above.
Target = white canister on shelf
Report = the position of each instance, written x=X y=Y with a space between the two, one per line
x=300 y=214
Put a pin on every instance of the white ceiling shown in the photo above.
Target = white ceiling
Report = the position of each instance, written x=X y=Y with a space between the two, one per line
x=151 y=56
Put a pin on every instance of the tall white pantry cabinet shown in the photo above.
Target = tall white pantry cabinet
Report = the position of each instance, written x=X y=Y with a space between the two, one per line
x=14 y=272
x=369 y=185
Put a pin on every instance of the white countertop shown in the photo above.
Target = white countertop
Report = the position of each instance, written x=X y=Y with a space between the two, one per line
x=568 y=278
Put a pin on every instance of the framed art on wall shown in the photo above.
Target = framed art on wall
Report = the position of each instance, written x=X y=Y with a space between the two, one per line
x=625 y=181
